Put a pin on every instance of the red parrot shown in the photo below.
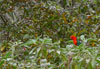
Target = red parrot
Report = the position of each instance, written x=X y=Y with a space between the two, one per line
x=75 y=41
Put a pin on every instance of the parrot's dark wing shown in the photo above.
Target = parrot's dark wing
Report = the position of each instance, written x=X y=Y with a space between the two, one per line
x=78 y=42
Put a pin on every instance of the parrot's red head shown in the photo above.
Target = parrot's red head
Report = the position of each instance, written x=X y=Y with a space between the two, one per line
x=74 y=39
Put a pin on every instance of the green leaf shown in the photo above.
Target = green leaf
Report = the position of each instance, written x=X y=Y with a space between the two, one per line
x=98 y=58
x=65 y=3
x=29 y=42
x=1 y=62
x=90 y=66
x=44 y=52
x=47 y=40
x=70 y=41
x=76 y=66
x=90 y=39
x=93 y=62
x=14 y=67
x=7 y=55
x=38 y=52
x=26 y=36
x=64 y=58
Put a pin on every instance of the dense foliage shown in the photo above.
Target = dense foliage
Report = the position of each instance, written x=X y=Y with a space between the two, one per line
x=36 y=34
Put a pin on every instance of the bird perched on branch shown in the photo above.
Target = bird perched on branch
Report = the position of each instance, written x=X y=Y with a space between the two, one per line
x=75 y=41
